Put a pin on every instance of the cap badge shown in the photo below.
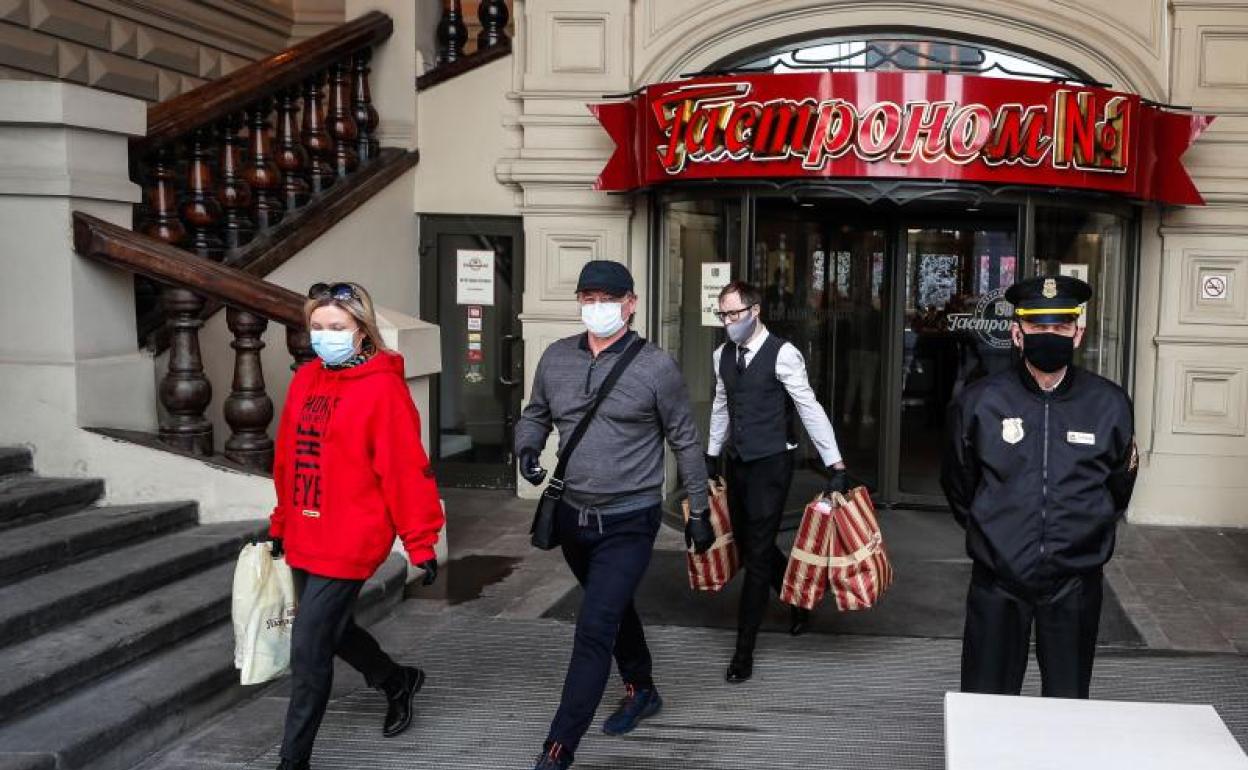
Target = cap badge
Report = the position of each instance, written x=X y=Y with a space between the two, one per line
x=1050 y=288
x=1012 y=430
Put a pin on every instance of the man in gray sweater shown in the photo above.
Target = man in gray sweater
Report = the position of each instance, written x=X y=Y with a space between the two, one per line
x=612 y=500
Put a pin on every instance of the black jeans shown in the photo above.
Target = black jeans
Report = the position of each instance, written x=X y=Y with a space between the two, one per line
x=609 y=556
x=757 y=491
x=325 y=626
x=996 y=643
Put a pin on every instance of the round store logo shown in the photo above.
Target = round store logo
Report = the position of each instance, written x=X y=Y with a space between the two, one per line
x=989 y=321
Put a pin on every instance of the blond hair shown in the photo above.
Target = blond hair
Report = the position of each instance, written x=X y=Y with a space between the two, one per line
x=360 y=309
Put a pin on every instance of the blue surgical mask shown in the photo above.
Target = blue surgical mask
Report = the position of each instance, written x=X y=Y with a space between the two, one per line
x=603 y=319
x=333 y=346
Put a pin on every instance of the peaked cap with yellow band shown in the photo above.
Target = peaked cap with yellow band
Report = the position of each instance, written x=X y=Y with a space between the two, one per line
x=1051 y=299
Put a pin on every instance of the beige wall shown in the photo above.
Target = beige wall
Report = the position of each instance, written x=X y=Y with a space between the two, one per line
x=150 y=49
x=1191 y=385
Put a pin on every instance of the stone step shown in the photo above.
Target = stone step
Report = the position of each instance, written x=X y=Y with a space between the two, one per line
x=15 y=459
x=42 y=602
x=74 y=655
x=25 y=498
x=115 y=722
x=55 y=543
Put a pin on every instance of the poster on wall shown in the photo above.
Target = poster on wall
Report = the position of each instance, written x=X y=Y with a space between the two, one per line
x=1081 y=272
x=474 y=277
x=715 y=276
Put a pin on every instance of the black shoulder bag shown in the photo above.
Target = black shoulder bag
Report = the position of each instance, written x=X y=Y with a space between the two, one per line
x=542 y=533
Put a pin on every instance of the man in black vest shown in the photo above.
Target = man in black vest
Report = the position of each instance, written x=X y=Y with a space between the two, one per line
x=760 y=387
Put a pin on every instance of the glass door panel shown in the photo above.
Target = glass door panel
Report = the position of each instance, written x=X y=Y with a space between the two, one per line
x=820 y=265
x=955 y=330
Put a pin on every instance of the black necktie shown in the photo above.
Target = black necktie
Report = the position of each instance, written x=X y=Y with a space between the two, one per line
x=741 y=351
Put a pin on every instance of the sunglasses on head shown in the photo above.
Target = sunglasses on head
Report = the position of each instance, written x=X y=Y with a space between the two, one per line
x=336 y=291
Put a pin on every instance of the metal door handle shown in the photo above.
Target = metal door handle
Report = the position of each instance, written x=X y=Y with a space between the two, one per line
x=506 y=364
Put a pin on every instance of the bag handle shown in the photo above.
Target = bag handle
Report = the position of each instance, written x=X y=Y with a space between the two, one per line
x=556 y=479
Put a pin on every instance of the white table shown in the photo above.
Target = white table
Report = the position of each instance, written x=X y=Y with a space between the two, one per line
x=995 y=732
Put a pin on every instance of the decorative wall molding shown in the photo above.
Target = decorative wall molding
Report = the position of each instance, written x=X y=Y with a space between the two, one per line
x=147 y=49
x=1210 y=400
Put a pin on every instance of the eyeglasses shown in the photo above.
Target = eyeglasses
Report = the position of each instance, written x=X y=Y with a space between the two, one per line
x=337 y=291
x=732 y=315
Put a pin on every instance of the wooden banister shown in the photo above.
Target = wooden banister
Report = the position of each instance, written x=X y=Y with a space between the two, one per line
x=137 y=253
x=213 y=101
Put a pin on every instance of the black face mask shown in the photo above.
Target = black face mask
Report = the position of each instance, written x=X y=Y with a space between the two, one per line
x=1048 y=352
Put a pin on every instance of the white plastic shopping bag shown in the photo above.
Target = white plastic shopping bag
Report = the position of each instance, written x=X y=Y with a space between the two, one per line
x=264 y=612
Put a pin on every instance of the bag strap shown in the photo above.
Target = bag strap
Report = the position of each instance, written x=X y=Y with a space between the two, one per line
x=556 y=479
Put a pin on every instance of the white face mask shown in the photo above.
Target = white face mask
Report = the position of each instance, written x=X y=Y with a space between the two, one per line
x=603 y=319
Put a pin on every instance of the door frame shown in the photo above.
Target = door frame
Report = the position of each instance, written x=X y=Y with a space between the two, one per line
x=431 y=227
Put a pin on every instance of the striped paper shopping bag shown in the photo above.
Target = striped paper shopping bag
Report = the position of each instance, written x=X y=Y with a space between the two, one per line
x=858 y=568
x=712 y=570
x=806 y=578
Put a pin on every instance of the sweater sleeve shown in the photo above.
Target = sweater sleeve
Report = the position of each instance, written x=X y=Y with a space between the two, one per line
x=406 y=477
x=283 y=485
x=672 y=399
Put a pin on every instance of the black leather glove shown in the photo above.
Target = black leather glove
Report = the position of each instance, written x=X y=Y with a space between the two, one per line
x=838 y=481
x=531 y=467
x=430 y=566
x=712 y=467
x=276 y=549
x=699 y=534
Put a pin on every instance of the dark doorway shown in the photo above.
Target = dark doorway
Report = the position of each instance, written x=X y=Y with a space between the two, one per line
x=889 y=306
x=472 y=271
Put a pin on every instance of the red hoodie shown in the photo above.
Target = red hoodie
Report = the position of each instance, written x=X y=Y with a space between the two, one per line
x=350 y=471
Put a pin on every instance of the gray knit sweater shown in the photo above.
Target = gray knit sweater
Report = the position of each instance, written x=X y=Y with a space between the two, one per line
x=618 y=464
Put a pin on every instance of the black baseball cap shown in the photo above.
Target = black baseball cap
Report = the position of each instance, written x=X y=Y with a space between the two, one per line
x=605 y=275
x=1050 y=299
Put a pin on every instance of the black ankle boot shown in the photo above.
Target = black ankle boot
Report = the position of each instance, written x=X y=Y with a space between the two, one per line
x=741 y=667
x=399 y=698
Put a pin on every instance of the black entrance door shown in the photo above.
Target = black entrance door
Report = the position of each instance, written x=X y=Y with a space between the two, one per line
x=471 y=273
x=891 y=308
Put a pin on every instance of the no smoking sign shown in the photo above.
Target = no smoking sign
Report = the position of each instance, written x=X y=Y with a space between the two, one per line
x=1214 y=286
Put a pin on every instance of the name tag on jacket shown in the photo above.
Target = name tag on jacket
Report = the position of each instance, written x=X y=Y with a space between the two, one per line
x=1075 y=437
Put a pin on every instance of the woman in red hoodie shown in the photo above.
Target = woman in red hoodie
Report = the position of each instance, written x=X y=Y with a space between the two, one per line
x=350 y=474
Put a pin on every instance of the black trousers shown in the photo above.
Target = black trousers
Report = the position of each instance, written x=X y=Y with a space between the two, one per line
x=756 y=494
x=324 y=627
x=609 y=556
x=999 y=619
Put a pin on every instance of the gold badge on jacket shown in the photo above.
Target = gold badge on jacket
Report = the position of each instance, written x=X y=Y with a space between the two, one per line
x=1012 y=430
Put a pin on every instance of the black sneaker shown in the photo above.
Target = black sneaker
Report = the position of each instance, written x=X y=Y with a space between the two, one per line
x=554 y=757
x=635 y=706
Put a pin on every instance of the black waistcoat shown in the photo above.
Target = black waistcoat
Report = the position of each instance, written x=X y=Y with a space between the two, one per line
x=760 y=411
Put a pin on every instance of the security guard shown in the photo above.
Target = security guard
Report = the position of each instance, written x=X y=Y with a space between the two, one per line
x=1039 y=466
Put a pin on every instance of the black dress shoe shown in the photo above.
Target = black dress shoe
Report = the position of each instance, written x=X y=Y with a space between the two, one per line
x=741 y=668
x=798 y=620
x=399 y=712
x=286 y=764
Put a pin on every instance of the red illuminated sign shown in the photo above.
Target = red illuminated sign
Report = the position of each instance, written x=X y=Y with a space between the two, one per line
x=907 y=125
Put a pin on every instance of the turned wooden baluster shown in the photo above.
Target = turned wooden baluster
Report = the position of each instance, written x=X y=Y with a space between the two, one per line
x=366 y=144
x=233 y=192
x=262 y=173
x=315 y=139
x=200 y=209
x=299 y=344
x=451 y=33
x=248 y=409
x=292 y=159
x=341 y=125
x=185 y=392
x=493 y=16
x=163 y=222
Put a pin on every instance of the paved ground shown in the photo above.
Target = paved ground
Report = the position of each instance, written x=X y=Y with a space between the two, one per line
x=821 y=700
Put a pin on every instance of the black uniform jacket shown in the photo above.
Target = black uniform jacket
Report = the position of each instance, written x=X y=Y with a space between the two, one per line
x=1039 y=480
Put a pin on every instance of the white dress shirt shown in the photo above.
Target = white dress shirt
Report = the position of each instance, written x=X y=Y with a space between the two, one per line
x=791 y=372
